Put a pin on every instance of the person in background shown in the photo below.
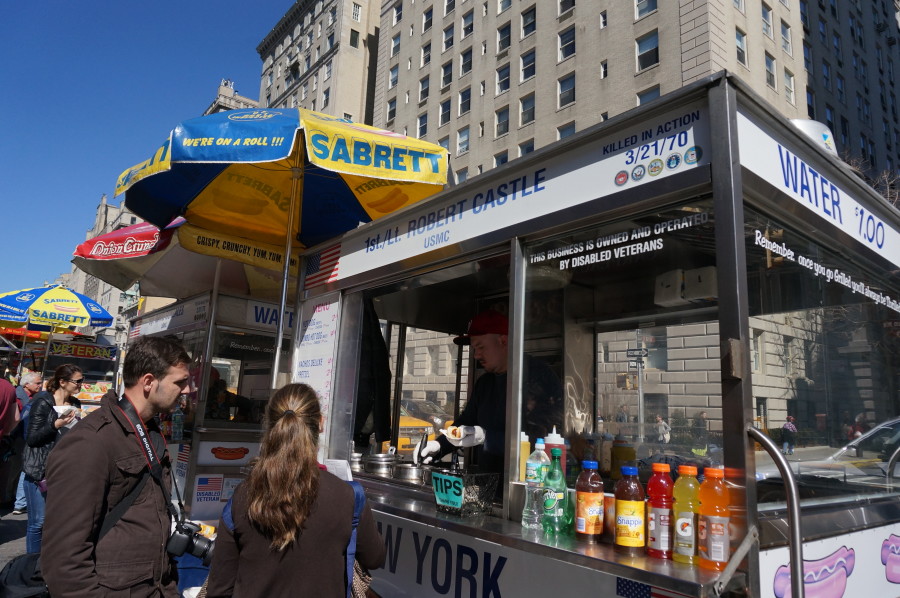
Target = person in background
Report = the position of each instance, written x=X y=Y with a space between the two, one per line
x=9 y=420
x=96 y=465
x=291 y=520
x=663 y=430
x=788 y=436
x=45 y=427
x=29 y=385
x=482 y=421
x=701 y=434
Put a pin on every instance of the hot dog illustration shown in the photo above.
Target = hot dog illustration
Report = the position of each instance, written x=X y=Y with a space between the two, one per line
x=824 y=578
x=229 y=453
x=890 y=558
x=390 y=202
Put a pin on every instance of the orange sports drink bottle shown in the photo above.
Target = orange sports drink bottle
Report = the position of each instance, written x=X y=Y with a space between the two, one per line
x=712 y=530
x=686 y=504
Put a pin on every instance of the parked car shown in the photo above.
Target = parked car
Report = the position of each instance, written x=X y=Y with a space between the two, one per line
x=860 y=465
x=410 y=433
x=428 y=411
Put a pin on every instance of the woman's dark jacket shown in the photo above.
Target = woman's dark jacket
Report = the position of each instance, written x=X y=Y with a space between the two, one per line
x=41 y=436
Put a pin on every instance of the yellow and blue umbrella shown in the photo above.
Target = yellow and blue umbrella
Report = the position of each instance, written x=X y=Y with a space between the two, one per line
x=240 y=171
x=54 y=306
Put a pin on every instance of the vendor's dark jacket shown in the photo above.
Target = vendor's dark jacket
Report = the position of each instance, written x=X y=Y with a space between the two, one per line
x=244 y=563
x=90 y=470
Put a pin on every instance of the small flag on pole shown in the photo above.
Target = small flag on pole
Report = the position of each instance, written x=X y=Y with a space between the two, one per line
x=626 y=588
x=322 y=267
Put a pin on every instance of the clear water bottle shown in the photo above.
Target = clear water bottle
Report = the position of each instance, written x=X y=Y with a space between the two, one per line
x=535 y=471
x=177 y=424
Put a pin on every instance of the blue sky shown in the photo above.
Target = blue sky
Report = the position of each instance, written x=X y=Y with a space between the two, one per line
x=91 y=88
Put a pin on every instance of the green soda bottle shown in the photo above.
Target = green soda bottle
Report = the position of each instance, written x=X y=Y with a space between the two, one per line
x=685 y=514
x=555 y=498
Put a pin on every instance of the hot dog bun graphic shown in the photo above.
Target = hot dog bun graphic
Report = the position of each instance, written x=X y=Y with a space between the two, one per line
x=389 y=203
x=824 y=578
x=890 y=558
x=229 y=454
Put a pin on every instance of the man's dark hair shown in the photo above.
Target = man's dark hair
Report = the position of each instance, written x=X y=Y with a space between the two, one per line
x=152 y=355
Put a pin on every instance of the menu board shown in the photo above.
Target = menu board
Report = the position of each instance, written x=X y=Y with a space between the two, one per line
x=314 y=357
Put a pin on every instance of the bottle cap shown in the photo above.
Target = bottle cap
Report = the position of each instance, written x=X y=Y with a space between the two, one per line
x=687 y=470
x=553 y=437
x=539 y=442
x=589 y=464
x=713 y=472
x=661 y=467
x=629 y=470
x=556 y=452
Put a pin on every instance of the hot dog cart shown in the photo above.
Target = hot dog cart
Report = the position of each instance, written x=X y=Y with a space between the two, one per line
x=698 y=258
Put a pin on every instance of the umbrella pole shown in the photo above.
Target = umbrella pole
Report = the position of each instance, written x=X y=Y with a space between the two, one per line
x=296 y=174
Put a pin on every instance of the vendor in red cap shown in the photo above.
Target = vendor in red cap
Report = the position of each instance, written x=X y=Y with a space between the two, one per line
x=482 y=423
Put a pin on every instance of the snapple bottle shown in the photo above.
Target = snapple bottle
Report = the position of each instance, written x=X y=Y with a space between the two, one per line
x=659 y=512
x=589 y=503
x=713 y=545
x=631 y=510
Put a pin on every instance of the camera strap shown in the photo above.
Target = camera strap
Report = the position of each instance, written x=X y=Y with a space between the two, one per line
x=150 y=448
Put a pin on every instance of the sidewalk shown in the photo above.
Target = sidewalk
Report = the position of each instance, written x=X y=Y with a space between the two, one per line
x=12 y=535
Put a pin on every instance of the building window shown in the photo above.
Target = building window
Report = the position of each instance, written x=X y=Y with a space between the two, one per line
x=526 y=109
x=604 y=70
x=839 y=88
x=468 y=24
x=423 y=125
x=603 y=21
x=838 y=51
x=448 y=38
x=804 y=14
x=645 y=7
x=444 y=117
x=354 y=38
x=528 y=65
x=501 y=159
x=462 y=140
x=810 y=103
x=767 y=21
x=391 y=109
x=462 y=174
x=807 y=58
x=529 y=21
x=503 y=79
x=648 y=51
x=526 y=148
x=427 y=18
x=648 y=95
x=465 y=100
x=502 y=118
x=566 y=130
x=504 y=34
x=394 y=76
x=786 y=38
x=826 y=75
x=445 y=143
x=789 y=86
x=395 y=45
x=567 y=90
x=327 y=70
x=424 y=85
x=398 y=12
x=446 y=74
x=426 y=54
x=304 y=91
x=465 y=62
x=326 y=96
x=829 y=117
x=566 y=6
x=503 y=5
x=770 y=71
x=449 y=6
x=566 y=43
x=741 y=44
x=357 y=11
x=739 y=4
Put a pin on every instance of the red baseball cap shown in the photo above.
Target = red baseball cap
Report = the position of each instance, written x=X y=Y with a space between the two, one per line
x=486 y=322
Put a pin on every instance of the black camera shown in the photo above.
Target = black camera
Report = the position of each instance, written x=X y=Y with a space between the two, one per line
x=186 y=538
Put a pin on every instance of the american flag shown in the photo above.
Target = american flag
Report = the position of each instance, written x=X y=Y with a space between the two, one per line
x=184 y=453
x=322 y=267
x=626 y=588
x=135 y=331
x=209 y=484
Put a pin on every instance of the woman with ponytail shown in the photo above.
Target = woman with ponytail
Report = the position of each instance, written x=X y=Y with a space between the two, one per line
x=291 y=520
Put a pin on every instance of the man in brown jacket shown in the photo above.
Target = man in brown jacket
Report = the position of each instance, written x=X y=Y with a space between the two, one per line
x=94 y=467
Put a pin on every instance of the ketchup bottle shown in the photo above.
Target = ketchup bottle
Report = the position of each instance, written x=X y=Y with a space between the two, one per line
x=659 y=512
x=589 y=503
x=631 y=512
